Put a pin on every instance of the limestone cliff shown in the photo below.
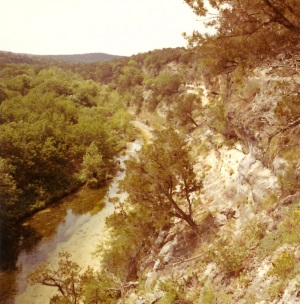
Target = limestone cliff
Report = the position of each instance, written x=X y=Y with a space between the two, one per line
x=247 y=152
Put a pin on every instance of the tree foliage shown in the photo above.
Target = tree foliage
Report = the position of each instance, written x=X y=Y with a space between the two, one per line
x=76 y=285
x=166 y=84
x=162 y=178
x=245 y=30
x=253 y=15
x=186 y=108
x=130 y=76
x=93 y=168
x=66 y=277
x=52 y=122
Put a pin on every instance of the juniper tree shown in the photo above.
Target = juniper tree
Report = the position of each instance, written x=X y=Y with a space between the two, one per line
x=245 y=30
x=162 y=178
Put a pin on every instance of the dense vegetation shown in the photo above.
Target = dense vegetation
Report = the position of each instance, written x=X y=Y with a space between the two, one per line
x=244 y=32
x=55 y=135
x=57 y=132
x=162 y=179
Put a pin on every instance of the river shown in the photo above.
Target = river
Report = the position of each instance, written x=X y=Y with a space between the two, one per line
x=76 y=224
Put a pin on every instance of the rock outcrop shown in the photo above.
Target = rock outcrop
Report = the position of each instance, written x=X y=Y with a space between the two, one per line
x=248 y=165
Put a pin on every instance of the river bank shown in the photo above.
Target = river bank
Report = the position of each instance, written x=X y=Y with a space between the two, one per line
x=75 y=224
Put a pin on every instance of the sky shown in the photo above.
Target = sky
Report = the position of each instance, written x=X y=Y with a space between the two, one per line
x=118 y=27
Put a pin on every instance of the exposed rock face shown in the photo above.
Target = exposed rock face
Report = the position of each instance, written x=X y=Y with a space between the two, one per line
x=250 y=189
x=167 y=251
x=257 y=179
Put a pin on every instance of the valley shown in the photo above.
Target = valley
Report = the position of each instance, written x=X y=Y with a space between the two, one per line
x=170 y=176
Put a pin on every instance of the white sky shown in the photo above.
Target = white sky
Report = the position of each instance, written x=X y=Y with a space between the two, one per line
x=119 y=27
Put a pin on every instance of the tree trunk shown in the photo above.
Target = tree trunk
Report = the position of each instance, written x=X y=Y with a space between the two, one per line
x=181 y=214
x=193 y=121
x=190 y=222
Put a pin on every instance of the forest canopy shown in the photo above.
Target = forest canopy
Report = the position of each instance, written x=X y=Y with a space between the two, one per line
x=51 y=122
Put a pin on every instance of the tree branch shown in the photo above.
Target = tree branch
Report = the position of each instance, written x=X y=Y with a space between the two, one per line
x=280 y=18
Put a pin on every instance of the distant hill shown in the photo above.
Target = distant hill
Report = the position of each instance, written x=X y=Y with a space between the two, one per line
x=9 y=57
x=85 y=58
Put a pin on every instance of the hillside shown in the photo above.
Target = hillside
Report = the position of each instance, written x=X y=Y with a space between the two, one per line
x=241 y=131
x=9 y=57
x=245 y=150
x=83 y=58
x=213 y=207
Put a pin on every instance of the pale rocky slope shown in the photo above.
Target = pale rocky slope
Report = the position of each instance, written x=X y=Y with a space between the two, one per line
x=249 y=250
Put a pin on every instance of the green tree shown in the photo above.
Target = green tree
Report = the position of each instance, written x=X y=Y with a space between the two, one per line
x=167 y=84
x=245 y=30
x=66 y=277
x=44 y=134
x=8 y=189
x=186 y=109
x=75 y=285
x=132 y=233
x=93 y=168
x=251 y=15
x=9 y=195
x=86 y=93
x=131 y=75
x=162 y=178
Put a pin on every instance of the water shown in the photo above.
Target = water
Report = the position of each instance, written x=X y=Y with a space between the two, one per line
x=77 y=225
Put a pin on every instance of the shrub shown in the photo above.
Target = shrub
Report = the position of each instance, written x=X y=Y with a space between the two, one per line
x=211 y=296
x=289 y=181
x=269 y=202
x=276 y=290
x=291 y=228
x=283 y=265
x=174 y=293
x=231 y=253
x=93 y=167
x=131 y=235
x=229 y=256
x=288 y=108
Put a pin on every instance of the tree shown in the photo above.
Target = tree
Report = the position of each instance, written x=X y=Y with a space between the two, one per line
x=167 y=84
x=245 y=29
x=93 y=169
x=130 y=76
x=86 y=93
x=186 y=108
x=75 y=285
x=8 y=189
x=252 y=15
x=66 y=277
x=44 y=134
x=8 y=197
x=162 y=178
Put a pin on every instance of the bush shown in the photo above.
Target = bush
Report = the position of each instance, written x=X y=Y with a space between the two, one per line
x=211 y=296
x=290 y=180
x=288 y=107
x=167 y=84
x=131 y=234
x=231 y=253
x=229 y=256
x=283 y=265
x=93 y=168
x=174 y=293
x=291 y=228
x=217 y=116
